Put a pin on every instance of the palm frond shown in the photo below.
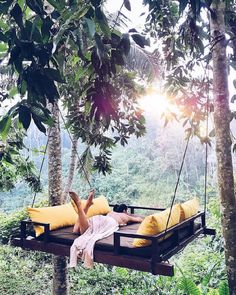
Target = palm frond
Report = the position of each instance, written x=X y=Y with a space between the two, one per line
x=146 y=64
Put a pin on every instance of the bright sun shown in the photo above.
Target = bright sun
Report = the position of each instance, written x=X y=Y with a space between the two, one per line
x=157 y=104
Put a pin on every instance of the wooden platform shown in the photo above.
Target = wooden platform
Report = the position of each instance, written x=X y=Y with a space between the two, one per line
x=109 y=258
x=117 y=249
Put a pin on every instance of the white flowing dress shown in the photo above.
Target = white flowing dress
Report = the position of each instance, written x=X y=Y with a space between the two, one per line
x=99 y=227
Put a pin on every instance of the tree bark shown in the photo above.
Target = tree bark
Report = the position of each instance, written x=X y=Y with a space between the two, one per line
x=55 y=198
x=223 y=141
x=73 y=161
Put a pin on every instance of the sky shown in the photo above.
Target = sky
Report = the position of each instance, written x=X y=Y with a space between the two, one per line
x=137 y=21
x=137 y=8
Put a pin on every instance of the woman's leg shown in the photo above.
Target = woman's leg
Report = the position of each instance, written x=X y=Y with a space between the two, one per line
x=81 y=224
x=89 y=201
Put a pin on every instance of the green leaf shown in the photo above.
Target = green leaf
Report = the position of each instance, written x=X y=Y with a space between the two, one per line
x=140 y=40
x=3 y=47
x=5 y=125
x=234 y=148
x=100 y=46
x=21 y=3
x=3 y=24
x=200 y=45
x=46 y=26
x=194 y=7
x=233 y=98
x=188 y=286
x=54 y=3
x=54 y=75
x=102 y=21
x=17 y=14
x=12 y=92
x=91 y=26
x=4 y=6
x=234 y=82
x=36 y=6
x=38 y=123
x=124 y=44
x=8 y=159
x=117 y=57
x=212 y=133
x=22 y=87
x=3 y=37
x=24 y=116
x=127 y=4
x=223 y=288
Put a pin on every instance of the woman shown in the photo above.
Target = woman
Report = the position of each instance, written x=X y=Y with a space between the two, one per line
x=94 y=228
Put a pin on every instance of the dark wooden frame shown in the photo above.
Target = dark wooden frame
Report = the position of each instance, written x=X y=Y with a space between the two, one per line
x=155 y=264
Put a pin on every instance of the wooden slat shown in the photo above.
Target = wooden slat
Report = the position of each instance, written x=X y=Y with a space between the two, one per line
x=131 y=262
x=182 y=244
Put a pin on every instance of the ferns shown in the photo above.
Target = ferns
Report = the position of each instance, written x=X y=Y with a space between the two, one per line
x=223 y=288
x=188 y=286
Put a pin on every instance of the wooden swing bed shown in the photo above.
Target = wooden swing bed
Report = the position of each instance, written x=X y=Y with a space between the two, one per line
x=117 y=249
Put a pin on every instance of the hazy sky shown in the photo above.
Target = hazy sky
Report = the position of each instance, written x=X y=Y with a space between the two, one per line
x=134 y=15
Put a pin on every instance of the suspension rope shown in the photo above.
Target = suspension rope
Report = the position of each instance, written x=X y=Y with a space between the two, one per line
x=41 y=167
x=79 y=158
x=177 y=183
x=206 y=143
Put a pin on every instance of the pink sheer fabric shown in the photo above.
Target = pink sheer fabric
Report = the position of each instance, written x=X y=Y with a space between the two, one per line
x=99 y=227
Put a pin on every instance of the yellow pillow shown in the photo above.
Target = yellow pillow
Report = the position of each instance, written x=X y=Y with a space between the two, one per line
x=100 y=206
x=156 y=223
x=189 y=208
x=56 y=216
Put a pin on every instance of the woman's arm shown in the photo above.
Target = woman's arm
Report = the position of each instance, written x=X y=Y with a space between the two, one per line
x=135 y=219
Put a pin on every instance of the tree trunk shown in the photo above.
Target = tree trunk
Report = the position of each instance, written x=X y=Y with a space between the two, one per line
x=73 y=161
x=55 y=198
x=223 y=141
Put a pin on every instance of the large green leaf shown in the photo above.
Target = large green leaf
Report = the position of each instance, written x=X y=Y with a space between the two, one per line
x=5 y=125
x=91 y=26
x=188 y=286
x=24 y=116
x=38 y=123
x=102 y=21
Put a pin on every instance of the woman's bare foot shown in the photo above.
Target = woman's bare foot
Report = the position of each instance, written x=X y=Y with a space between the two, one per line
x=90 y=198
x=75 y=198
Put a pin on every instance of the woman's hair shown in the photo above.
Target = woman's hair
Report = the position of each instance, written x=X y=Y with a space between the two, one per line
x=120 y=208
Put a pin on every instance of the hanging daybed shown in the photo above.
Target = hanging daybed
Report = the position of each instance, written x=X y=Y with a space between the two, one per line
x=117 y=249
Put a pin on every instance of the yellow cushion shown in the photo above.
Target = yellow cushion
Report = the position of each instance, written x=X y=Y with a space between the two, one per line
x=56 y=216
x=156 y=223
x=100 y=206
x=189 y=208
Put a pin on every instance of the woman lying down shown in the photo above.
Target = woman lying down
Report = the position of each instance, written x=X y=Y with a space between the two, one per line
x=94 y=228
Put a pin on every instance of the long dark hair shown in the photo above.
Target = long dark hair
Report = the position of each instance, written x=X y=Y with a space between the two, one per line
x=120 y=208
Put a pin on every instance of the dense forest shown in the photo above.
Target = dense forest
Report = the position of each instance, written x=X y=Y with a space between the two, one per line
x=144 y=173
